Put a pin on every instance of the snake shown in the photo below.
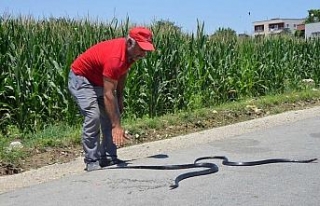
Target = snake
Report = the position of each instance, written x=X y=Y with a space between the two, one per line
x=209 y=167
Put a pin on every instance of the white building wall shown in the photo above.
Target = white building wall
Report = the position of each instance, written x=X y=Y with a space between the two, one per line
x=292 y=24
x=288 y=23
x=312 y=30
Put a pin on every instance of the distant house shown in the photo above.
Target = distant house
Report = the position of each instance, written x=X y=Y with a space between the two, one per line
x=301 y=27
x=276 y=26
x=312 y=30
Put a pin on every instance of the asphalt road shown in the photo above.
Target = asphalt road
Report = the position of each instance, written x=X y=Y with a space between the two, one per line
x=273 y=184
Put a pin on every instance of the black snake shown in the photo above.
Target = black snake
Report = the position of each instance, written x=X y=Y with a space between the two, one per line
x=211 y=167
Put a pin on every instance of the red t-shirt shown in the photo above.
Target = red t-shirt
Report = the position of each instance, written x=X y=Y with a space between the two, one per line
x=107 y=58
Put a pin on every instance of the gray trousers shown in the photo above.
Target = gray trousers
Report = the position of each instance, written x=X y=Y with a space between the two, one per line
x=89 y=98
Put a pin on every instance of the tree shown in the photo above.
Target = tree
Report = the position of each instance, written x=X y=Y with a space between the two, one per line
x=167 y=25
x=314 y=16
x=299 y=34
x=225 y=33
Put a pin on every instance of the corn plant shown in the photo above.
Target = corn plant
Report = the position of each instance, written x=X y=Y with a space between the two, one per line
x=187 y=70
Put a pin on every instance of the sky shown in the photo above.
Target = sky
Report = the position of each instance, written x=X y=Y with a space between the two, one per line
x=235 y=14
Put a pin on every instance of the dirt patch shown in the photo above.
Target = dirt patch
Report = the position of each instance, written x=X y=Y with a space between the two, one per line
x=9 y=169
x=37 y=159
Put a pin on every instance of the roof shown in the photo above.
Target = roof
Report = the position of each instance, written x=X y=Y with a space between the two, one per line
x=281 y=19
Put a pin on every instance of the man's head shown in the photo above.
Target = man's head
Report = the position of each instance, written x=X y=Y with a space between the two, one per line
x=143 y=37
x=139 y=42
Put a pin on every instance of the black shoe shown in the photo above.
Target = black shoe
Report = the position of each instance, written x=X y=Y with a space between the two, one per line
x=107 y=162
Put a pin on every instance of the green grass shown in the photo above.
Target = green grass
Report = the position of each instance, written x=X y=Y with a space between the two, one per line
x=54 y=136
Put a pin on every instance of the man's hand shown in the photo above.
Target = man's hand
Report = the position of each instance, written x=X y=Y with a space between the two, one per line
x=119 y=136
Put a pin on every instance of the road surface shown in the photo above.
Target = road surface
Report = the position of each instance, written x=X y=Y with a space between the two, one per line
x=295 y=136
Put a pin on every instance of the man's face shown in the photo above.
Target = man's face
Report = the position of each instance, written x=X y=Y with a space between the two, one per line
x=135 y=52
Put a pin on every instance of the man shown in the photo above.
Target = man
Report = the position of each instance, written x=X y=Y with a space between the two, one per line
x=96 y=81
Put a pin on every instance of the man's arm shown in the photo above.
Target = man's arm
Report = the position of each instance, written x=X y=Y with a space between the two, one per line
x=110 y=101
x=112 y=109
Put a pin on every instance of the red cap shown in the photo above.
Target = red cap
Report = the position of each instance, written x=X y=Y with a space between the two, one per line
x=143 y=37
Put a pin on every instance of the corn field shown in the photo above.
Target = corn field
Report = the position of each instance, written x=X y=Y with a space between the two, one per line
x=187 y=71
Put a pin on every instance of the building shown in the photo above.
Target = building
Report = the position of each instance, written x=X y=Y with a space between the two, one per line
x=312 y=30
x=276 y=26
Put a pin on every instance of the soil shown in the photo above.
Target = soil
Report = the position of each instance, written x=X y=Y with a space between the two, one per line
x=37 y=159
x=49 y=156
